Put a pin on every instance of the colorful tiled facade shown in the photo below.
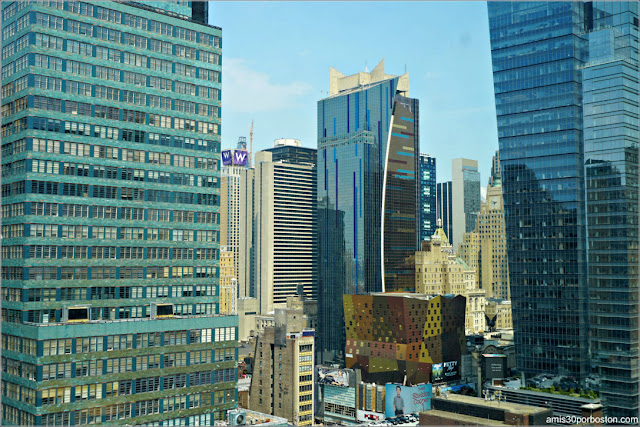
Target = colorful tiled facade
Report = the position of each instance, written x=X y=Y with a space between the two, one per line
x=389 y=335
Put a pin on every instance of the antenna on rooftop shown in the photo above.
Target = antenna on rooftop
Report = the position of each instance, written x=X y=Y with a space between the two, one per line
x=366 y=69
x=405 y=68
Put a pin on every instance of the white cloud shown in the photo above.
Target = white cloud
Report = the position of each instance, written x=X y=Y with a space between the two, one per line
x=483 y=193
x=245 y=90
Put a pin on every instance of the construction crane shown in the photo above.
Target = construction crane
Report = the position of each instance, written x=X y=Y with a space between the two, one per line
x=250 y=142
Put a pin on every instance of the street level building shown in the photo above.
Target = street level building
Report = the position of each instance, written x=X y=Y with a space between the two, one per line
x=110 y=212
x=282 y=381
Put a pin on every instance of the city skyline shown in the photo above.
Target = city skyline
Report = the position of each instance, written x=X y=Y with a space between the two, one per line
x=278 y=83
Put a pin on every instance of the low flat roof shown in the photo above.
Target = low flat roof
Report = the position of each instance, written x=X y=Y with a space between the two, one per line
x=466 y=419
x=478 y=401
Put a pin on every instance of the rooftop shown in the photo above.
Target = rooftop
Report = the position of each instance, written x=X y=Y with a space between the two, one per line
x=340 y=84
x=514 y=408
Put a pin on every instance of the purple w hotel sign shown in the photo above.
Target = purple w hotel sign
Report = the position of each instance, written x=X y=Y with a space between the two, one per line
x=226 y=157
x=240 y=158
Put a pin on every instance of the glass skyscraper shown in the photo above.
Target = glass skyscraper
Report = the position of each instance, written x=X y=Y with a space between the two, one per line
x=610 y=117
x=110 y=217
x=566 y=87
x=355 y=140
x=444 y=207
x=427 y=197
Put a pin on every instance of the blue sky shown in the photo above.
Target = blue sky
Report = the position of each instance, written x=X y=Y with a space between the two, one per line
x=276 y=59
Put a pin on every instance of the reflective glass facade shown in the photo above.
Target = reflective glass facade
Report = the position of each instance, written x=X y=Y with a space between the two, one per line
x=401 y=214
x=427 y=196
x=536 y=50
x=444 y=206
x=610 y=97
x=353 y=132
x=110 y=218
x=581 y=109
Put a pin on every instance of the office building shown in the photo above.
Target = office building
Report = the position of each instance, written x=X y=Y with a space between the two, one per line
x=236 y=214
x=282 y=381
x=110 y=200
x=465 y=191
x=428 y=202
x=610 y=118
x=364 y=165
x=228 y=283
x=444 y=206
x=485 y=248
x=547 y=127
x=285 y=218
x=392 y=337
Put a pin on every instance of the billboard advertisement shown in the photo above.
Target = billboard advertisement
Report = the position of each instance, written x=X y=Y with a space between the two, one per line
x=495 y=366
x=401 y=400
x=450 y=370
x=240 y=158
x=437 y=373
x=334 y=377
x=368 y=416
x=446 y=371
x=226 y=157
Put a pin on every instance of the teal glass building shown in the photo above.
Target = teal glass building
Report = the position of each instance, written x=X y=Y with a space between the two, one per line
x=367 y=159
x=110 y=217
x=428 y=193
x=566 y=88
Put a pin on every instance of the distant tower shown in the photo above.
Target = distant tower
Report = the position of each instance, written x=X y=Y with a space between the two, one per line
x=242 y=143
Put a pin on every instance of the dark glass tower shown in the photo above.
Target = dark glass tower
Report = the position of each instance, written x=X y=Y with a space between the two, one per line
x=427 y=208
x=569 y=160
x=444 y=206
x=354 y=127
x=400 y=198
x=537 y=49
x=610 y=99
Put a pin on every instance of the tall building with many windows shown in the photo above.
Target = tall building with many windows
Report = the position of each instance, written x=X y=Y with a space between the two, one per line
x=465 y=192
x=610 y=120
x=427 y=196
x=569 y=159
x=236 y=214
x=444 y=206
x=367 y=193
x=285 y=217
x=110 y=207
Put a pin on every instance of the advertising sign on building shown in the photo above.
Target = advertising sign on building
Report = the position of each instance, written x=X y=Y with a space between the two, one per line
x=334 y=377
x=227 y=157
x=437 y=373
x=240 y=158
x=368 y=416
x=495 y=366
x=401 y=400
x=450 y=370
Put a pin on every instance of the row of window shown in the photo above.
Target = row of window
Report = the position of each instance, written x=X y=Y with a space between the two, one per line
x=111 y=172
x=106 y=292
x=107 y=313
x=106 y=232
x=107 y=192
x=76 y=273
x=105 y=252
x=113 y=16
x=108 y=212
x=98 y=51
x=102 y=132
